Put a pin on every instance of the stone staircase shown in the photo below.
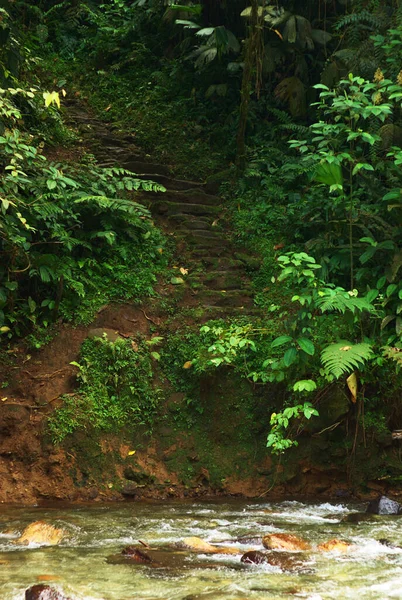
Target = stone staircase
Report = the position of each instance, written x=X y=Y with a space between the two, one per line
x=217 y=280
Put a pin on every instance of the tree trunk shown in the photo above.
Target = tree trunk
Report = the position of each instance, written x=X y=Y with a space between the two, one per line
x=249 y=64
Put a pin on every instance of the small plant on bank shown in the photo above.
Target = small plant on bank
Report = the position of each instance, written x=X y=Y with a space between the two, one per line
x=115 y=389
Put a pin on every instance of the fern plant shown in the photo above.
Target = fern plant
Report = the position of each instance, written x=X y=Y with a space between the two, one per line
x=345 y=357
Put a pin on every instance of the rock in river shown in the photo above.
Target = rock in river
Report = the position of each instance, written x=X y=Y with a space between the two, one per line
x=384 y=506
x=136 y=555
x=254 y=557
x=198 y=545
x=41 y=533
x=335 y=546
x=284 y=541
x=283 y=560
x=43 y=592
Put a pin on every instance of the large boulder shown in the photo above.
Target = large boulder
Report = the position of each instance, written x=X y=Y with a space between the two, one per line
x=384 y=506
x=41 y=533
x=43 y=592
x=284 y=541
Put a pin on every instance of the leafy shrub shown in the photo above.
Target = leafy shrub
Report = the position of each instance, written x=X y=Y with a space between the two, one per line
x=115 y=389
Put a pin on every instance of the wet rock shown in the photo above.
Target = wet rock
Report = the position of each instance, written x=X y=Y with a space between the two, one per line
x=41 y=533
x=138 y=476
x=387 y=543
x=284 y=541
x=196 y=544
x=358 y=517
x=286 y=562
x=255 y=541
x=131 y=490
x=384 y=506
x=43 y=592
x=282 y=560
x=254 y=557
x=335 y=546
x=136 y=555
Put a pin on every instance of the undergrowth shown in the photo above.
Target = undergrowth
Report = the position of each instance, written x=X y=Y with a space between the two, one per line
x=115 y=390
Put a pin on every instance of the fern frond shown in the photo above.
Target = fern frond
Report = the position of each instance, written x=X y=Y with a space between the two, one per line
x=116 y=204
x=394 y=354
x=299 y=129
x=355 y=18
x=345 y=357
x=341 y=301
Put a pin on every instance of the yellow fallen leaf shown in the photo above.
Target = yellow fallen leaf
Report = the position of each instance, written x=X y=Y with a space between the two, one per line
x=183 y=271
x=110 y=485
x=130 y=452
x=160 y=250
x=4 y=399
x=187 y=364
x=345 y=348
x=108 y=108
x=352 y=385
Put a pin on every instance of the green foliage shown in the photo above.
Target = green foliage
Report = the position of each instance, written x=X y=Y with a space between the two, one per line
x=344 y=357
x=66 y=230
x=115 y=390
x=277 y=440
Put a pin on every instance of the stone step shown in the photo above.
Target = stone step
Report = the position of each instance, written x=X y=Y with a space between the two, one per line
x=194 y=225
x=234 y=297
x=191 y=196
x=171 y=184
x=218 y=312
x=173 y=208
x=201 y=234
x=224 y=280
x=221 y=264
x=110 y=141
x=186 y=218
x=140 y=166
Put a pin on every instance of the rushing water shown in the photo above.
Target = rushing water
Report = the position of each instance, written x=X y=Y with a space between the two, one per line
x=80 y=568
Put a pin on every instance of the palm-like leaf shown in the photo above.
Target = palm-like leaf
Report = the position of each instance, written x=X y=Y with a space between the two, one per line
x=341 y=301
x=344 y=357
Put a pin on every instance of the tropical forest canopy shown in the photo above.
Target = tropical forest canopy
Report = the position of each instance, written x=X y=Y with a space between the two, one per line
x=292 y=107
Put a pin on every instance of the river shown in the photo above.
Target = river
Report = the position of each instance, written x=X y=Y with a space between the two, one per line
x=81 y=566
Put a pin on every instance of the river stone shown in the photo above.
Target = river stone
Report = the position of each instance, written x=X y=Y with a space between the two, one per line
x=196 y=544
x=138 y=476
x=136 y=555
x=282 y=560
x=41 y=533
x=254 y=557
x=335 y=546
x=43 y=592
x=358 y=517
x=284 y=541
x=384 y=506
